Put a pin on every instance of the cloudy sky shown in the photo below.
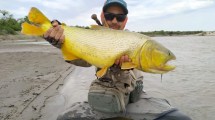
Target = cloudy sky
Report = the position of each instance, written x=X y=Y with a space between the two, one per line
x=144 y=15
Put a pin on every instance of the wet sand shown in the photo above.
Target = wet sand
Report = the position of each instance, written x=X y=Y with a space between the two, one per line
x=30 y=75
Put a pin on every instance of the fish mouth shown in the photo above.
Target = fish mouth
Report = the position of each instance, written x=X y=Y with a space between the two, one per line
x=168 y=65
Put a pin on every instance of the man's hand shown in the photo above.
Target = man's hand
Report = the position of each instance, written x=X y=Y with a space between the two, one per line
x=122 y=59
x=55 y=35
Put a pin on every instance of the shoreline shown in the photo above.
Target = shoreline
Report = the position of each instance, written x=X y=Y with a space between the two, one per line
x=36 y=38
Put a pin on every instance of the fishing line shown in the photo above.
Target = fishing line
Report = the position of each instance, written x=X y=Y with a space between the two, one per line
x=161 y=77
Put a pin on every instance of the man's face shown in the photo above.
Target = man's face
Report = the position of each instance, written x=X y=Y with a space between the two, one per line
x=114 y=23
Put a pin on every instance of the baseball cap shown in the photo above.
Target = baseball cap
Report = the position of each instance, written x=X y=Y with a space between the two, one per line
x=121 y=3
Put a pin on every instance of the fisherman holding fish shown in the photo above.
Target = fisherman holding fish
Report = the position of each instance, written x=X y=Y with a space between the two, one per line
x=124 y=88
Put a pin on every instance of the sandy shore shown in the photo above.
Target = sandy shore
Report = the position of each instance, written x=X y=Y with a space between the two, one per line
x=30 y=75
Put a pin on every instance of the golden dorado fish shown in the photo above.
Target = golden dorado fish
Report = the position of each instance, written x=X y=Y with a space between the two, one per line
x=101 y=46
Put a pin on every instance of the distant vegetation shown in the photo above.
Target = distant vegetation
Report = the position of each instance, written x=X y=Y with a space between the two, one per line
x=10 y=25
x=162 y=32
x=83 y=27
x=170 y=33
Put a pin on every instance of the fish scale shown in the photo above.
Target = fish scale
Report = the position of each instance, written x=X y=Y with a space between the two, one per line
x=94 y=42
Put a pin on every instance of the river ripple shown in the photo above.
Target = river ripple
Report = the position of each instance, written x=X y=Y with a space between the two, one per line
x=191 y=86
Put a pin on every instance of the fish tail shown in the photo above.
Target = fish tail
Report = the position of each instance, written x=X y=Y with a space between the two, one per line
x=38 y=25
x=29 y=29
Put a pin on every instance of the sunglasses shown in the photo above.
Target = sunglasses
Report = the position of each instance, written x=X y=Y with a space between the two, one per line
x=111 y=16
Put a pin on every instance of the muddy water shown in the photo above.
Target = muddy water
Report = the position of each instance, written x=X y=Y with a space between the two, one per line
x=190 y=87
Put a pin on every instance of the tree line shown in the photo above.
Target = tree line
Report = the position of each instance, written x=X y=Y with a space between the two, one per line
x=10 y=25
x=170 y=33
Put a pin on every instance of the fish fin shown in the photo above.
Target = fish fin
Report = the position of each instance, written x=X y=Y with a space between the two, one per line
x=101 y=72
x=128 y=65
x=29 y=29
x=98 y=27
x=36 y=16
x=67 y=55
x=65 y=49
x=39 y=23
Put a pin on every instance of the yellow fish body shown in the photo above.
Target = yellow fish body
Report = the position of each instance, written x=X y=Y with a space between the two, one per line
x=101 y=46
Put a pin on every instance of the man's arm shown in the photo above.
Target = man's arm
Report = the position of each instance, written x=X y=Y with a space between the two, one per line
x=55 y=35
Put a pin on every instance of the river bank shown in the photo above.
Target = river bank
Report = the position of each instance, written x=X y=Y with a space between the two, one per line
x=30 y=75
x=19 y=36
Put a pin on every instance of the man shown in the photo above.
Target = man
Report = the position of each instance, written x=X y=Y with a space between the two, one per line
x=124 y=83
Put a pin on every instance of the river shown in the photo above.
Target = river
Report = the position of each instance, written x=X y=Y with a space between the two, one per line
x=191 y=86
